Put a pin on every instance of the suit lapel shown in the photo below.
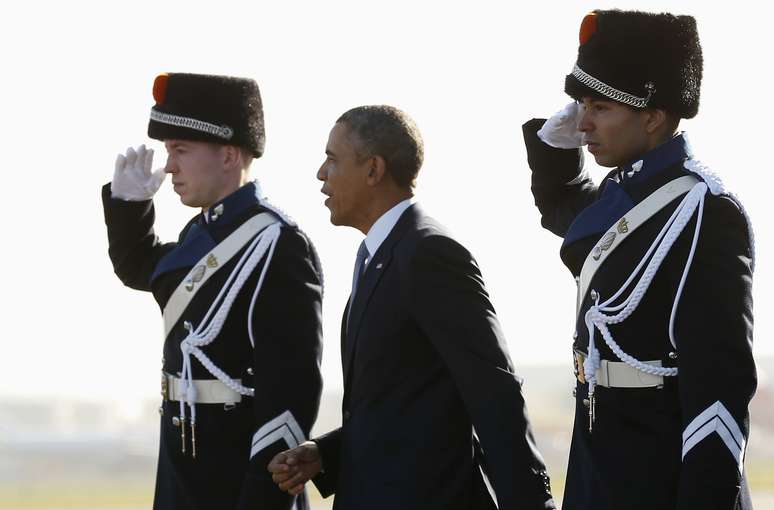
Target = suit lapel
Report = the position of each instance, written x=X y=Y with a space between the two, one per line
x=377 y=266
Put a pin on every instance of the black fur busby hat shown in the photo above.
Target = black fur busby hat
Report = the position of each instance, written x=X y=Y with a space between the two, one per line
x=641 y=59
x=208 y=108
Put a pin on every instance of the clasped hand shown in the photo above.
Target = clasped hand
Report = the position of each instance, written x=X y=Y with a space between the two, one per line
x=292 y=468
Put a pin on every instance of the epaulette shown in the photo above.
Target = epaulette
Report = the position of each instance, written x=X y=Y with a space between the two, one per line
x=717 y=188
x=289 y=221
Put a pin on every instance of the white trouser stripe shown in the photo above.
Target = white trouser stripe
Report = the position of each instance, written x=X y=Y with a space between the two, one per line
x=284 y=427
x=716 y=418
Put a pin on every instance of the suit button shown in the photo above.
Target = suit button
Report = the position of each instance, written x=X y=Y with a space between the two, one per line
x=346 y=415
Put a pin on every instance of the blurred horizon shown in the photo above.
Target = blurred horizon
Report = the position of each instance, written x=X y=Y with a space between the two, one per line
x=76 y=454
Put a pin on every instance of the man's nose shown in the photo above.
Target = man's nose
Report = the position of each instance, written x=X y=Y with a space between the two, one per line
x=322 y=173
x=585 y=123
x=170 y=167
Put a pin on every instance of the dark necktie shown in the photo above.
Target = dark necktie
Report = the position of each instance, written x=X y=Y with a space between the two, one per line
x=357 y=274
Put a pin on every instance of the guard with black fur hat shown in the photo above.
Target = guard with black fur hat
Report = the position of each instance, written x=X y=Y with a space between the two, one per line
x=663 y=255
x=240 y=293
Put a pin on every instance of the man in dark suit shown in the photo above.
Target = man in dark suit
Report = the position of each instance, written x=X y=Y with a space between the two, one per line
x=431 y=400
x=241 y=294
x=663 y=256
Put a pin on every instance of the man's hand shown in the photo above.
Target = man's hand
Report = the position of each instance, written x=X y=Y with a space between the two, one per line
x=133 y=178
x=561 y=130
x=292 y=468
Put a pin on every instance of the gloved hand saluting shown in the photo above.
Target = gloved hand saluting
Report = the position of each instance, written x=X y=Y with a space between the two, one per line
x=133 y=178
x=561 y=130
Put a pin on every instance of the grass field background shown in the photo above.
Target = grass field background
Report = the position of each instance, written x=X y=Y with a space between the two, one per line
x=86 y=456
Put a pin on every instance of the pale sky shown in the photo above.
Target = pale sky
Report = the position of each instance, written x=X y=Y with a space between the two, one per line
x=76 y=90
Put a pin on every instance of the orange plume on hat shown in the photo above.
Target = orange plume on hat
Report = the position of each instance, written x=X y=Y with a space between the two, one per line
x=588 y=27
x=160 y=88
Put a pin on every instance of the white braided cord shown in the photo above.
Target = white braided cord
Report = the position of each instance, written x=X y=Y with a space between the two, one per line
x=264 y=244
x=226 y=286
x=255 y=293
x=643 y=260
x=680 y=287
x=597 y=316
x=210 y=326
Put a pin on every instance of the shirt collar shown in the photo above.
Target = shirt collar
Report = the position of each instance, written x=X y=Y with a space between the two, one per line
x=655 y=160
x=384 y=225
x=226 y=210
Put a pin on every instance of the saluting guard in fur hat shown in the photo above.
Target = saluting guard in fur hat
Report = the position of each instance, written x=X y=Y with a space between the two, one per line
x=240 y=292
x=663 y=258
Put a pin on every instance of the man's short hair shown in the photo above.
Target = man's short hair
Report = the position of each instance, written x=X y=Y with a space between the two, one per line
x=386 y=131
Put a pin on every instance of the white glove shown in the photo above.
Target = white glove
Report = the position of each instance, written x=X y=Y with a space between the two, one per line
x=133 y=179
x=561 y=130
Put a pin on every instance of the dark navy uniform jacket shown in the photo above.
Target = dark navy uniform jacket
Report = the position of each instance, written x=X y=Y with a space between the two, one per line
x=676 y=447
x=424 y=363
x=288 y=339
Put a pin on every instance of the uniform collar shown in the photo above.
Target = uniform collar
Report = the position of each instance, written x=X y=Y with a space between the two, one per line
x=654 y=161
x=204 y=233
x=623 y=187
x=227 y=210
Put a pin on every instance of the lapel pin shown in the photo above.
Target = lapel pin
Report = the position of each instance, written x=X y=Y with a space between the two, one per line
x=379 y=265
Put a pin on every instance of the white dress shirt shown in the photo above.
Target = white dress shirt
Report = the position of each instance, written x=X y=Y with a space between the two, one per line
x=384 y=225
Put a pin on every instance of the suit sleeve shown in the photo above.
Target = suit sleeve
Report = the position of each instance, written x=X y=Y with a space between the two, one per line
x=287 y=328
x=560 y=186
x=717 y=377
x=329 y=445
x=133 y=246
x=452 y=307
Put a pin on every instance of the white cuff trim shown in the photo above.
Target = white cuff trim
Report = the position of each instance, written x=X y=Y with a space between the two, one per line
x=716 y=418
x=284 y=427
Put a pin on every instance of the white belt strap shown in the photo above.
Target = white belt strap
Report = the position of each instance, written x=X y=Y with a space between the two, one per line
x=208 y=391
x=638 y=215
x=209 y=265
x=616 y=374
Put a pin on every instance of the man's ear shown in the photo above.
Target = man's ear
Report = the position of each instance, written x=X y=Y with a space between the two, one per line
x=655 y=120
x=377 y=170
x=232 y=157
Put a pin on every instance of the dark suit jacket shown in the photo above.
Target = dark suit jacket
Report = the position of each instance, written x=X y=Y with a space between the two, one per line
x=424 y=363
